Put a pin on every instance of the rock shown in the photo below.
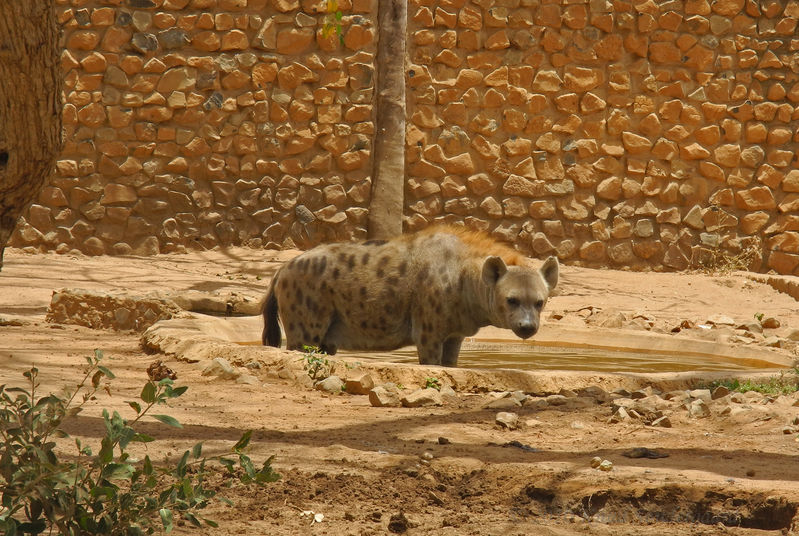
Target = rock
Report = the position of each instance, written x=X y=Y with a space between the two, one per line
x=507 y=419
x=449 y=395
x=385 y=396
x=595 y=392
x=360 y=385
x=595 y=462
x=221 y=368
x=422 y=397
x=702 y=394
x=556 y=400
x=520 y=396
x=720 y=320
x=398 y=523
x=773 y=342
x=620 y=415
x=248 y=379
x=738 y=398
x=719 y=392
x=503 y=403
x=787 y=430
x=443 y=441
x=770 y=323
x=331 y=384
x=699 y=409
x=662 y=422
x=606 y=465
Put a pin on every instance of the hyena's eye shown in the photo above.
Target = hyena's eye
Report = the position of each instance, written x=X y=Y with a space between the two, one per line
x=513 y=302
x=539 y=304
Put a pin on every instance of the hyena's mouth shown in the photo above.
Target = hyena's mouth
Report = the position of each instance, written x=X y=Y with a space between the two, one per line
x=525 y=332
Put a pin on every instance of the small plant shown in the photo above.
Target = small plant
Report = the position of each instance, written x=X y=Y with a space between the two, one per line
x=315 y=364
x=333 y=21
x=432 y=383
x=759 y=317
x=109 y=492
x=784 y=384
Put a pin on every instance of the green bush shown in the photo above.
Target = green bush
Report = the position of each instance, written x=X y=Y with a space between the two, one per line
x=109 y=492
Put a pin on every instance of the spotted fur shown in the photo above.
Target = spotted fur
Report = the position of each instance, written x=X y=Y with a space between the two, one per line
x=430 y=289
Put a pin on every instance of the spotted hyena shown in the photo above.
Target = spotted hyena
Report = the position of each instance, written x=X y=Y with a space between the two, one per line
x=430 y=289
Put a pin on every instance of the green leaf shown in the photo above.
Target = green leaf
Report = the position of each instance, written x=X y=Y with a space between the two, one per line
x=96 y=378
x=166 y=519
x=197 y=450
x=98 y=354
x=142 y=438
x=135 y=405
x=211 y=523
x=105 y=370
x=148 y=393
x=243 y=442
x=168 y=420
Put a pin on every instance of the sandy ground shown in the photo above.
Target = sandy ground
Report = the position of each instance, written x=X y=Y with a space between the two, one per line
x=448 y=469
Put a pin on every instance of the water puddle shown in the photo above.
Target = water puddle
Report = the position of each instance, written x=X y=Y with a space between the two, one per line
x=491 y=354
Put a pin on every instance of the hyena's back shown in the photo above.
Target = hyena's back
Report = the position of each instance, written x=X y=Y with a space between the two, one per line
x=354 y=296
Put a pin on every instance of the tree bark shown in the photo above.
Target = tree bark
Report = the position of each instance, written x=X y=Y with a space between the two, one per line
x=388 y=171
x=30 y=105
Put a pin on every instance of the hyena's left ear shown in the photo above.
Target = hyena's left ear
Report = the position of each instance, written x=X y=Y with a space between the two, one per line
x=549 y=271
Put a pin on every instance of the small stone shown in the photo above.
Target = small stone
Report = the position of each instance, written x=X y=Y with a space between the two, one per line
x=662 y=422
x=702 y=394
x=422 y=397
x=360 y=385
x=596 y=461
x=248 y=379
x=699 y=409
x=443 y=441
x=384 y=396
x=507 y=419
x=606 y=465
x=331 y=384
x=398 y=523
x=773 y=342
x=503 y=403
x=770 y=323
x=449 y=395
x=556 y=400
x=719 y=392
x=221 y=368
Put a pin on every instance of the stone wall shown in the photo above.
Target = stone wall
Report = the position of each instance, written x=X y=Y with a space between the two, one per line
x=645 y=134
x=195 y=123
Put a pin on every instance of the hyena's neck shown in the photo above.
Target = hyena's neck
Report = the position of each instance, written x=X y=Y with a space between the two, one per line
x=476 y=295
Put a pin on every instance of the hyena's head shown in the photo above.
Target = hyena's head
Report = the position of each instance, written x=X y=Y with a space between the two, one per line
x=517 y=294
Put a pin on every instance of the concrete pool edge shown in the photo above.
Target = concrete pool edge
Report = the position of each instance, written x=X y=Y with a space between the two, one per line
x=200 y=338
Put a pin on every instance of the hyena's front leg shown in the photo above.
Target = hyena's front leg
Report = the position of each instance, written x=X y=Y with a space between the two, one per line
x=430 y=352
x=452 y=347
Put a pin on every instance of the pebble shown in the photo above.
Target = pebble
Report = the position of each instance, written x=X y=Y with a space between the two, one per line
x=443 y=441
x=699 y=409
x=556 y=400
x=503 y=403
x=719 y=392
x=662 y=422
x=507 y=420
x=331 y=384
x=702 y=394
x=360 y=384
x=596 y=461
x=770 y=323
x=248 y=379
x=385 y=396
x=221 y=368
x=422 y=397
x=427 y=455
x=606 y=465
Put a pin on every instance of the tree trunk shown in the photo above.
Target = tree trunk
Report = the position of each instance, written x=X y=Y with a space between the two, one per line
x=30 y=105
x=388 y=172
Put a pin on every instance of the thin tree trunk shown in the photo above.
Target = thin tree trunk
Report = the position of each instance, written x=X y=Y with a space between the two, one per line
x=388 y=171
x=30 y=105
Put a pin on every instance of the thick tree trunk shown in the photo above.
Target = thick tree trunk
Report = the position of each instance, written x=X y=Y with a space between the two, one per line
x=388 y=172
x=30 y=105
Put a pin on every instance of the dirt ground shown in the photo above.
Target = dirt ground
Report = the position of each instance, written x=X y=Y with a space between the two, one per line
x=447 y=469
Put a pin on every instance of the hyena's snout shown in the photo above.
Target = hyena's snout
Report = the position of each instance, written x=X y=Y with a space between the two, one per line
x=525 y=329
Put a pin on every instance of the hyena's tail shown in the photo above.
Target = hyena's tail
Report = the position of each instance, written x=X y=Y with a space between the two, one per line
x=271 y=335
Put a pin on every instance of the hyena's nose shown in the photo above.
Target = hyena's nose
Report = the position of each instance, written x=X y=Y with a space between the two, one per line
x=525 y=330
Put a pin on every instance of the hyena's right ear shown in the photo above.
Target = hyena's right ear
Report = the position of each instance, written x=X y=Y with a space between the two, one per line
x=493 y=269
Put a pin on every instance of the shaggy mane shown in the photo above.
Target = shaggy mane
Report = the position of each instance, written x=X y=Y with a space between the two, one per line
x=480 y=243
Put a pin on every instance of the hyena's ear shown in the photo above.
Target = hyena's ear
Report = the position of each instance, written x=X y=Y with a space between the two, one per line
x=493 y=269
x=549 y=271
